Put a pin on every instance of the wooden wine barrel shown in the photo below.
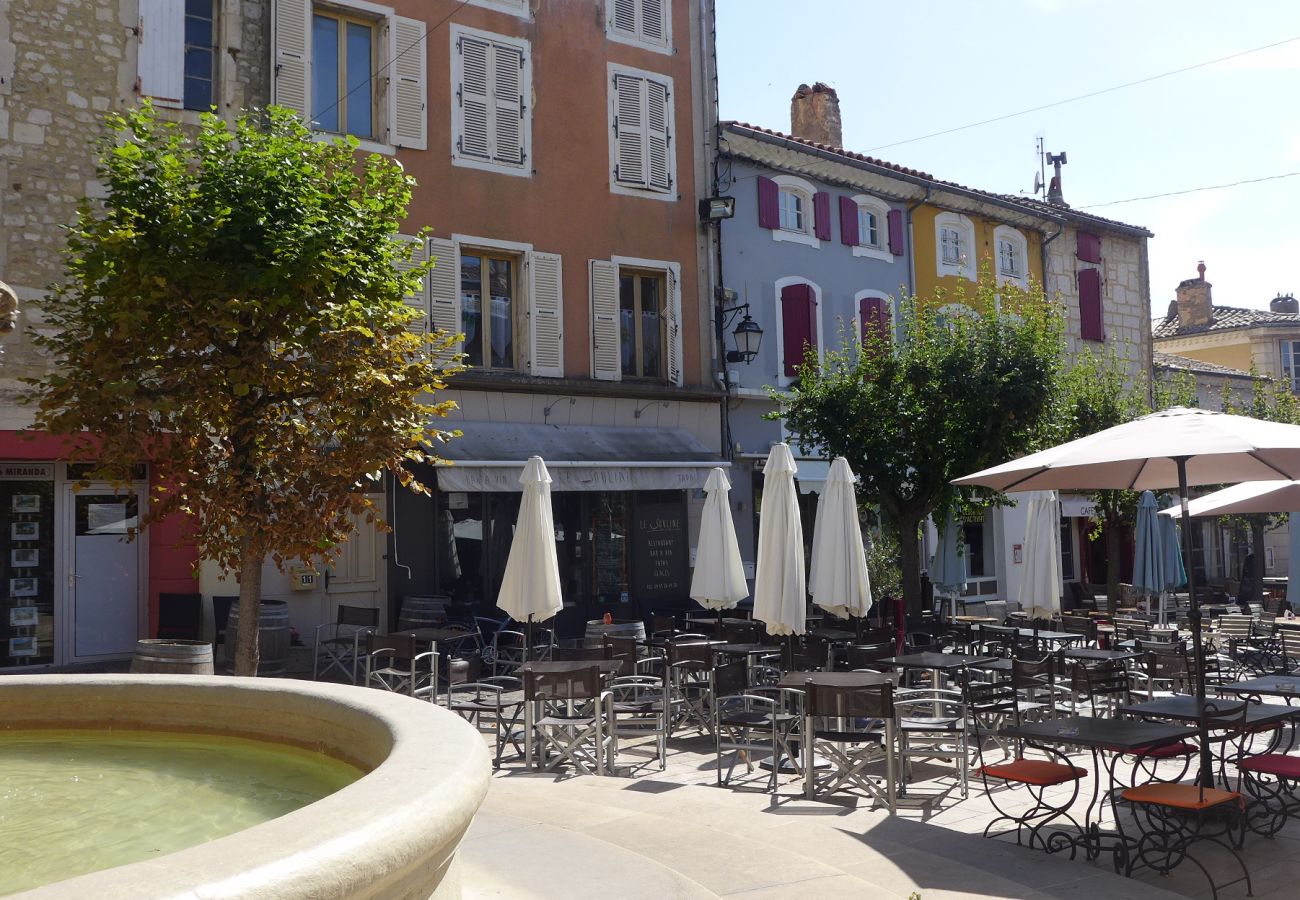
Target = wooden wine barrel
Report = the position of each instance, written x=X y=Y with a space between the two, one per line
x=273 y=637
x=597 y=629
x=172 y=657
x=423 y=611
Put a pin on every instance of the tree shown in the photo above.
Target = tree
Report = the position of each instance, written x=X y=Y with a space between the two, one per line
x=958 y=393
x=233 y=312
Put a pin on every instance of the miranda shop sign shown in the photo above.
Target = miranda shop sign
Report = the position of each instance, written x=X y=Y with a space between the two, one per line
x=26 y=471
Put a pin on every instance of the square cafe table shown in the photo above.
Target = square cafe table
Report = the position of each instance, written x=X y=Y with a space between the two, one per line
x=1185 y=708
x=1093 y=654
x=1284 y=686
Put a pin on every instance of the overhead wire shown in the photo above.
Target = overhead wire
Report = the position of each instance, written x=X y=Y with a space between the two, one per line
x=1195 y=190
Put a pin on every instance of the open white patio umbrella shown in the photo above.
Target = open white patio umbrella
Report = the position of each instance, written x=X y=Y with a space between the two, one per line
x=1040 y=582
x=1244 y=499
x=838 y=578
x=718 y=581
x=947 y=565
x=1174 y=447
x=530 y=587
x=780 y=592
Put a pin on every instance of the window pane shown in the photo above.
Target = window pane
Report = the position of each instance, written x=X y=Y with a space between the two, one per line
x=627 y=323
x=359 y=105
x=471 y=308
x=198 y=29
x=651 y=340
x=325 y=73
x=501 y=326
x=198 y=8
x=198 y=93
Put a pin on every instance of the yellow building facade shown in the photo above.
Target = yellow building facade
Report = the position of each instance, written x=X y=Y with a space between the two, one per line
x=953 y=249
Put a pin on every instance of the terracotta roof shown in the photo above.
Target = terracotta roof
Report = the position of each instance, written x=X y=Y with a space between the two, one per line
x=838 y=151
x=1187 y=364
x=1035 y=203
x=1225 y=318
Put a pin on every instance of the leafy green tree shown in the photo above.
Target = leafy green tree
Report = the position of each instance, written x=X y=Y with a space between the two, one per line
x=955 y=394
x=233 y=312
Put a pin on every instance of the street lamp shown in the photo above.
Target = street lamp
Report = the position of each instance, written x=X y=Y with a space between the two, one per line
x=748 y=334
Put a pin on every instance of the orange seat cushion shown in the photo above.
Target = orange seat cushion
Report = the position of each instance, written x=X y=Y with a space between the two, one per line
x=1279 y=764
x=1034 y=771
x=1180 y=796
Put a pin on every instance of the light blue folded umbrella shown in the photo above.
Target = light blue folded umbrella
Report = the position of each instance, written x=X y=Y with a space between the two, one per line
x=1171 y=552
x=948 y=567
x=1148 y=560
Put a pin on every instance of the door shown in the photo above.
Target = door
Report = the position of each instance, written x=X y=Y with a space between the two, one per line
x=105 y=596
x=356 y=578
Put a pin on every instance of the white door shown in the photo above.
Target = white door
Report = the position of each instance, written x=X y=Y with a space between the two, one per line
x=105 y=598
x=357 y=577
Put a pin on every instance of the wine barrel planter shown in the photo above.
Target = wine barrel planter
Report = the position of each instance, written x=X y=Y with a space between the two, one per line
x=170 y=657
x=423 y=611
x=273 y=637
x=597 y=629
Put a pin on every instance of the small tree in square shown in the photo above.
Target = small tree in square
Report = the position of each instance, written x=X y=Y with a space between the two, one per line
x=233 y=312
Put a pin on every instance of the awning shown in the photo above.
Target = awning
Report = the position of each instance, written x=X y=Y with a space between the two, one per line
x=490 y=456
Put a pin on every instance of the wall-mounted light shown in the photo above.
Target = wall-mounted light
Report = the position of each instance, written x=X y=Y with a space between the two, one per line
x=714 y=208
x=748 y=334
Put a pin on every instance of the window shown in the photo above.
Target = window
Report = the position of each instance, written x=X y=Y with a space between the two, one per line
x=868 y=227
x=1091 y=315
x=792 y=204
x=200 y=55
x=642 y=158
x=491 y=122
x=950 y=241
x=343 y=58
x=955 y=245
x=643 y=22
x=875 y=316
x=176 y=61
x=1291 y=364
x=1012 y=255
x=641 y=323
x=488 y=288
x=799 y=314
x=515 y=7
x=794 y=210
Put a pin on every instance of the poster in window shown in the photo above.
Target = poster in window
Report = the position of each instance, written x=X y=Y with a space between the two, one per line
x=22 y=646
x=24 y=617
x=24 y=558
x=23 y=587
x=108 y=518
x=25 y=503
x=25 y=531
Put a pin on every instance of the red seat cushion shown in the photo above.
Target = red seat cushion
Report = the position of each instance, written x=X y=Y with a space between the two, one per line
x=1168 y=751
x=1034 y=771
x=1180 y=796
x=1279 y=764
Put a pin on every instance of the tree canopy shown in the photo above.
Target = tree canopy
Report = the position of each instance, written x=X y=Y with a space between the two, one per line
x=233 y=312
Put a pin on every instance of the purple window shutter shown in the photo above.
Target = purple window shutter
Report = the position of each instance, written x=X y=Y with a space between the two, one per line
x=849 y=236
x=822 y=215
x=769 y=203
x=875 y=318
x=1088 y=247
x=896 y=232
x=1090 y=311
x=798 y=324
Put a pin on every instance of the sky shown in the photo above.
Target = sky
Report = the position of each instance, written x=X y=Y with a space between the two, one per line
x=907 y=69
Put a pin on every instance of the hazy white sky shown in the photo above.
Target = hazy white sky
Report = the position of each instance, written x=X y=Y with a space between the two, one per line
x=907 y=69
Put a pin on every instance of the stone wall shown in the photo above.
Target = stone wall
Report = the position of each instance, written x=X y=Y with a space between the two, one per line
x=63 y=66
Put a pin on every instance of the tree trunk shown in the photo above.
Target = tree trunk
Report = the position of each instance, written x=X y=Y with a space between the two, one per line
x=909 y=558
x=247 y=651
x=1114 y=534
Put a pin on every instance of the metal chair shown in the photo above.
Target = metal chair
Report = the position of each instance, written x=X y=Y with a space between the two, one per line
x=850 y=727
x=687 y=685
x=492 y=704
x=932 y=724
x=639 y=708
x=567 y=714
x=749 y=721
x=394 y=663
x=338 y=643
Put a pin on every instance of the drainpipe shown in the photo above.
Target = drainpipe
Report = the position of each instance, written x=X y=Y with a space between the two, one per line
x=911 y=243
x=1060 y=229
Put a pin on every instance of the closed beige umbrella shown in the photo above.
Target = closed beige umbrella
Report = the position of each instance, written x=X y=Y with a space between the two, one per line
x=718 y=581
x=780 y=589
x=838 y=578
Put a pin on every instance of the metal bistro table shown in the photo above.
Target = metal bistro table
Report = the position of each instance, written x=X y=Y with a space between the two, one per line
x=937 y=663
x=1287 y=687
x=1260 y=717
x=1116 y=737
x=1094 y=654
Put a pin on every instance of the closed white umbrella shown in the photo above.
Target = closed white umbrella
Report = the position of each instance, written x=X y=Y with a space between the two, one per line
x=1040 y=583
x=838 y=578
x=718 y=581
x=780 y=592
x=530 y=588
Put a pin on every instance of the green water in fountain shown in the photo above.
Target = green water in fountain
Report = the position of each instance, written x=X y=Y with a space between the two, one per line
x=73 y=802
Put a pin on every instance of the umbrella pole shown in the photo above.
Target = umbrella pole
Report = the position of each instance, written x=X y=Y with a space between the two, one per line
x=528 y=638
x=1194 y=618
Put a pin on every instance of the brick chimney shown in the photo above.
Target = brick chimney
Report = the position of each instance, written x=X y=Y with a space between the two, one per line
x=1195 y=308
x=815 y=115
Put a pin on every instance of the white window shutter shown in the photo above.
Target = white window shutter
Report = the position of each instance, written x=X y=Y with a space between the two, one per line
x=472 y=86
x=629 y=128
x=606 y=364
x=443 y=282
x=546 y=315
x=652 y=20
x=658 y=149
x=623 y=17
x=507 y=104
x=161 y=60
x=291 y=55
x=406 y=101
x=420 y=299
x=673 y=324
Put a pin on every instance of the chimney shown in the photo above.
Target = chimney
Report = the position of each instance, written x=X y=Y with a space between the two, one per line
x=1055 y=195
x=815 y=115
x=1284 y=303
x=1195 y=308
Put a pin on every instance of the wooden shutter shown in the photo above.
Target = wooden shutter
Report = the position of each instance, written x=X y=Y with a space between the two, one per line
x=873 y=315
x=798 y=324
x=291 y=53
x=896 y=232
x=1091 y=316
x=629 y=130
x=443 y=283
x=658 y=141
x=769 y=203
x=653 y=26
x=849 y=236
x=606 y=364
x=473 y=89
x=673 y=324
x=546 y=315
x=822 y=216
x=408 y=123
x=1088 y=247
x=507 y=104
x=160 y=63
x=624 y=16
x=419 y=300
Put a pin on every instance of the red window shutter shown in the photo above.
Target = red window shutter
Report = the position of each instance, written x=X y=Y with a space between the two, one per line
x=896 y=232
x=769 y=203
x=822 y=215
x=1090 y=311
x=874 y=312
x=798 y=324
x=849 y=236
x=1088 y=247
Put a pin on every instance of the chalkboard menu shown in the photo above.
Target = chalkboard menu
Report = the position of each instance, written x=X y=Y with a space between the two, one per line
x=26 y=570
x=660 y=555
